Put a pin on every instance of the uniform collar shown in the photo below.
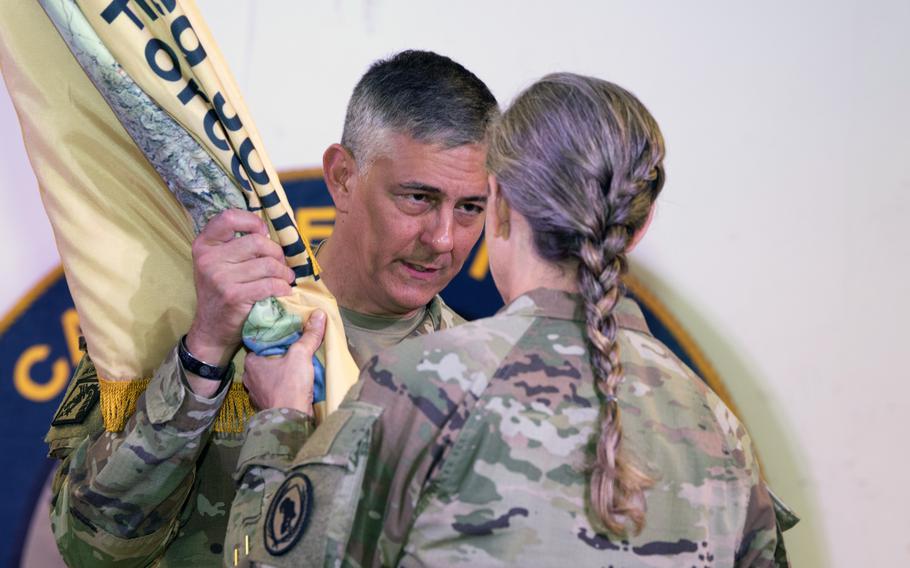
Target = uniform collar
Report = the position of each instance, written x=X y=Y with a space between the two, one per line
x=434 y=311
x=558 y=304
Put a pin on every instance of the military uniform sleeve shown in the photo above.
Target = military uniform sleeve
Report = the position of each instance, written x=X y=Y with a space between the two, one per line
x=117 y=495
x=759 y=540
x=296 y=501
x=759 y=535
x=763 y=540
x=349 y=496
x=442 y=316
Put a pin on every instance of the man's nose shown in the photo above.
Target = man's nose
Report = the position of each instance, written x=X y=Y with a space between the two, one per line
x=437 y=234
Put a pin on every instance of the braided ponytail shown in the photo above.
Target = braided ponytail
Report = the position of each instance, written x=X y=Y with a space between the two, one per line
x=617 y=486
x=581 y=160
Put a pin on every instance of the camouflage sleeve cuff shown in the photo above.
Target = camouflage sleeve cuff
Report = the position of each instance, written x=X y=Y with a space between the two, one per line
x=273 y=438
x=170 y=400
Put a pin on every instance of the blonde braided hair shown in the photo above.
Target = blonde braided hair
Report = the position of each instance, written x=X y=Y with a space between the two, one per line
x=582 y=160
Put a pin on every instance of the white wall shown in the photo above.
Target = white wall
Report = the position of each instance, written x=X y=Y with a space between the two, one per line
x=781 y=240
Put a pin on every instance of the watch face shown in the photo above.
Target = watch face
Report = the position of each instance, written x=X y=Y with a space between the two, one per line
x=195 y=366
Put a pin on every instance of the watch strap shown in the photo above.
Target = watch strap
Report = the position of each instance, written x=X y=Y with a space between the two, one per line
x=198 y=366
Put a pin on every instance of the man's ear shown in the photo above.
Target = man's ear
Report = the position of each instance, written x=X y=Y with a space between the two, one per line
x=498 y=210
x=338 y=170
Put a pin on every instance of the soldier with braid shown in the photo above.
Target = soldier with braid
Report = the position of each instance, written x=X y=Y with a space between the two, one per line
x=409 y=184
x=559 y=430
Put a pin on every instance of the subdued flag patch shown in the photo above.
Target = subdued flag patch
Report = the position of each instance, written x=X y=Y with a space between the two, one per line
x=79 y=402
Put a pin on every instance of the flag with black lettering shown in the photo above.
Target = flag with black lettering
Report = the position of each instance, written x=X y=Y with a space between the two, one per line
x=125 y=106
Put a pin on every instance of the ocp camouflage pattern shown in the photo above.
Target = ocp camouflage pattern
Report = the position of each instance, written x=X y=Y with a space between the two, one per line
x=159 y=492
x=472 y=447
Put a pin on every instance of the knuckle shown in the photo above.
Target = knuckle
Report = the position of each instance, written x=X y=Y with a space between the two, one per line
x=204 y=265
x=280 y=288
x=274 y=249
x=259 y=244
x=266 y=265
x=230 y=295
x=262 y=290
x=279 y=269
x=217 y=222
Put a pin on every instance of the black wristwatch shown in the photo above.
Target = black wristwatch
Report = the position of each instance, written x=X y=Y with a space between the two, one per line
x=199 y=367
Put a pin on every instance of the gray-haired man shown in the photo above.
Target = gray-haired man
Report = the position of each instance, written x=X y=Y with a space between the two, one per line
x=409 y=185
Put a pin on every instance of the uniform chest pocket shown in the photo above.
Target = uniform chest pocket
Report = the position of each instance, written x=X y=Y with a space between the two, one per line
x=308 y=510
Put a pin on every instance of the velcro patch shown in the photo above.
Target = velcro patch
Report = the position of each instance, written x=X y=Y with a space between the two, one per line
x=289 y=514
x=79 y=401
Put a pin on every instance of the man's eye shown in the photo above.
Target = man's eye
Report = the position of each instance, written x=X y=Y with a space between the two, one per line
x=471 y=208
x=414 y=203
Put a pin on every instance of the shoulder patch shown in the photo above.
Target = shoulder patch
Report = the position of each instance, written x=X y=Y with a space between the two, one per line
x=289 y=514
x=79 y=401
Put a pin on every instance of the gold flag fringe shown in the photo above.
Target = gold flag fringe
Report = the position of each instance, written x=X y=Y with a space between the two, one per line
x=118 y=403
x=235 y=411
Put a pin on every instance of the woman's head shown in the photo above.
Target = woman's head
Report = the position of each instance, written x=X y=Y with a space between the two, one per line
x=577 y=157
x=581 y=161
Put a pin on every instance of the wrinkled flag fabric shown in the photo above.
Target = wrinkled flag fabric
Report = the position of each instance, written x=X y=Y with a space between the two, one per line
x=124 y=107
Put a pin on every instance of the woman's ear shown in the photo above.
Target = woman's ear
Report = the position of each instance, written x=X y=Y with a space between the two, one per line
x=338 y=170
x=498 y=211
x=639 y=234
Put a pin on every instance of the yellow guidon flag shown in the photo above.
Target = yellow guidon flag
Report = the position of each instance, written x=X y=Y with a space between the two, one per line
x=138 y=136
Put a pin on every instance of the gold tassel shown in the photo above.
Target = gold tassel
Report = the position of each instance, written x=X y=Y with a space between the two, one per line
x=235 y=411
x=118 y=403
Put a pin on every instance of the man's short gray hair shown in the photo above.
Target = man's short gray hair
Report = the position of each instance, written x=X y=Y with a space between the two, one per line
x=421 y=94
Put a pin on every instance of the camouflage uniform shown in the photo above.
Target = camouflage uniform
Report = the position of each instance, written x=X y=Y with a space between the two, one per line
x=160 y=489
x=469 y=447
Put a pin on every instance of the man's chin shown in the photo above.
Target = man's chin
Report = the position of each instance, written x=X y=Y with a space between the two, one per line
x=411 y=297
x=412 y=291
x=414 y=301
